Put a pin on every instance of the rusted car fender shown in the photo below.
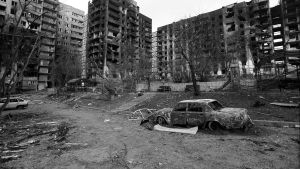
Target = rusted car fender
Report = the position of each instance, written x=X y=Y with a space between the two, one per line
x=225 y=120
x=164 y=113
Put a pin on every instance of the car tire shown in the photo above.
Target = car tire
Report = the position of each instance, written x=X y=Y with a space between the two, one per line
x=161 y=121
x=213 y=126
x=245 y=128
x=20 y=107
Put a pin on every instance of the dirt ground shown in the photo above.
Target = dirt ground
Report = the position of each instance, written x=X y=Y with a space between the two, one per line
x=107 y=140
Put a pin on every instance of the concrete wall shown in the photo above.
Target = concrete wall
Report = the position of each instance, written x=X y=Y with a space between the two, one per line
x=204 y=86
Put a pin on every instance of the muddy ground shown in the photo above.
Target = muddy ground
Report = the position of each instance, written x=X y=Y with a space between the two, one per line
x=104 y=140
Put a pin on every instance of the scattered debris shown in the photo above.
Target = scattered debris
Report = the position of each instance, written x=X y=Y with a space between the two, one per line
x=258 y=104
x=29 y=142
x=5 y=159
x=269 y=149
x=106 y=120
x=297 y=140
x=148 y=125
x=177 y=130
x=290 y=105
x=67 y=146
x=141 y=114
x=62 y=131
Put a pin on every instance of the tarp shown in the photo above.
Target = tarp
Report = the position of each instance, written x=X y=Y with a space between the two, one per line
x=177 y=130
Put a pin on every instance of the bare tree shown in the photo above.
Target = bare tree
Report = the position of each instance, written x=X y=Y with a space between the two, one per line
x=18 y=45
x=199 y=47
x=66 y=66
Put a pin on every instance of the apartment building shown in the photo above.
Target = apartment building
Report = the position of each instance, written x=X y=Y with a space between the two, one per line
x=145 y=34
x=154 y=55
x=238 y=28
x=47 y=48
x=113 y=26
x=41 y=17
x=84 y=43
x=286 y=33
x=291 y=24
x=70 y=34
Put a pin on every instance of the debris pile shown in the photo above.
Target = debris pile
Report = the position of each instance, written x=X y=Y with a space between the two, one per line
x=20 y=131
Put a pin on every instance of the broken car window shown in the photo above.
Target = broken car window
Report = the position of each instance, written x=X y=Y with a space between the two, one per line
x=215 y=105
x=195 y=107
x=180 y=107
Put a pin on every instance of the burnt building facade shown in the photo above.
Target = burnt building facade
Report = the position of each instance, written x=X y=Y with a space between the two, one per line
x=240 y=31
x=291 y=24
x=41 y=17
x=113 y=27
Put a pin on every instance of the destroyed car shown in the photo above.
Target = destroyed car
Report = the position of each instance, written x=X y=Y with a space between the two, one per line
x=203 y=113
x=14 y=103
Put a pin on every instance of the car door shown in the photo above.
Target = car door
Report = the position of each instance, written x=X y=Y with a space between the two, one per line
x=195 y=114
x=13 y=103
x=178 y=115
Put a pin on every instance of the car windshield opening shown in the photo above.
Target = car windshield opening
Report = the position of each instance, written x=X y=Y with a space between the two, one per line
x=215 y=105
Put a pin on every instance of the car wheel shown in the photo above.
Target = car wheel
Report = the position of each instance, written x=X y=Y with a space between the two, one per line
x=213 y=126
x=245 y=128
x=20 y=107
x=161 y=121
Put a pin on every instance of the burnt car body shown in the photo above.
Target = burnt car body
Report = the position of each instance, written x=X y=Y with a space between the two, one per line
x=204 y=113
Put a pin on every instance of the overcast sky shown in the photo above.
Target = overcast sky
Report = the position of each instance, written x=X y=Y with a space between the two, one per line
x=164 y=12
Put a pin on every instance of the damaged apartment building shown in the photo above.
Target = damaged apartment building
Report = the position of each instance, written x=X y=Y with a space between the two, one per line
x=58 y=24
x=41 y=17
x=243 y=31
x=117 y=33
x=70 y=35
x=286 y=26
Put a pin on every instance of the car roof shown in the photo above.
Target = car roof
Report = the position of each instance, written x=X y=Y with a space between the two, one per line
x=198 y=101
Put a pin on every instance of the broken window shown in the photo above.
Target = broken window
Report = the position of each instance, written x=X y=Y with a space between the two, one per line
x=231 y=28
x=241 y=18
x=230 y=13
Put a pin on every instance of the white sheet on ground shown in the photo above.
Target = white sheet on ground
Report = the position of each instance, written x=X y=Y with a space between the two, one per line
x=286 y=104
x=177 y=130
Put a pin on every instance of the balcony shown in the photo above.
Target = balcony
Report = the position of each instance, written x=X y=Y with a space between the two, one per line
x=49 y=28
x=52 y=1
x=44 y=56
x=48 y=42
x=33 y=20
x=112 y=42
x=47 y=49
x=112 y=20
x=49 y=6
x=113 y=29
x=113 y=15
x=50 y=21
x=48 y=34
x=50 y=14
x=77 y=36
x=113 y=7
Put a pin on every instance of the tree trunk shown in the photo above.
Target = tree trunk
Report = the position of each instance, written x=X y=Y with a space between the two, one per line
x=149 y=83
x=196 y=89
